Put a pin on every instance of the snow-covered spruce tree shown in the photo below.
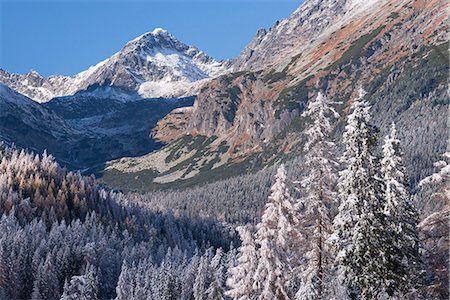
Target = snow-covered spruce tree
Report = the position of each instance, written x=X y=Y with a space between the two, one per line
x=125 y=284
x=46 y=285
x=82 y=287
x=276 y=235
x=317 y=196
x=203 y=279
x=241 y=276
x=217 y=286
x=402 y=218
x=189 y=278
x=360 y=227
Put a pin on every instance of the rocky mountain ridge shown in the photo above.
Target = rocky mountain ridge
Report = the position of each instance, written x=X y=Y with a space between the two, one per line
x=396 y=50
x=80 y=130
x=154 y=65
x=305 y=29
x=36 y=124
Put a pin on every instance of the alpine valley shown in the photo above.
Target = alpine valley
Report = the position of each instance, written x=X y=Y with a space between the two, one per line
x=137 y=178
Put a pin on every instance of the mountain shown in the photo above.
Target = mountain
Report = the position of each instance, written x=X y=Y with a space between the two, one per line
x=68 y=236
x=154 y=65
x=240 y=122
x=37 y=126
x=84 y=130
x=297 y=33
x=110 y=127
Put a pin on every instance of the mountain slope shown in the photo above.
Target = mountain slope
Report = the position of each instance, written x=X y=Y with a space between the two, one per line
x=154 y=64
x=111 y=127
x=80 y=130
x=37 y=126
x=396 y=50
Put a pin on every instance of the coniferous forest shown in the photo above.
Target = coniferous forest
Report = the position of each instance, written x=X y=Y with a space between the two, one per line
x=331 y=226
x=308 y=160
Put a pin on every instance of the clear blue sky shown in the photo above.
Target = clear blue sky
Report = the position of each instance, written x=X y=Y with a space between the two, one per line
x=66 y=37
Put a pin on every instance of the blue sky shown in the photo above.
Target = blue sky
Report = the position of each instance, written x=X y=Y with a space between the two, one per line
x=66 y=37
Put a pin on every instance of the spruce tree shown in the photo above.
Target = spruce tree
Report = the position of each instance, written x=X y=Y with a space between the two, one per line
x=317 y=196
x=82 y=287
x=276 y=234
x=216 y=288
x=402 y=218
x=241 y=276
x=203 y=280
x=124 y=286
x=190 y=278
x=360 y=226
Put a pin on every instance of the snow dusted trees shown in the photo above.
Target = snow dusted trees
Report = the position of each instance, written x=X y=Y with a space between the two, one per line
x=376 y=227
x=216 y=288
x=52 y=247
x=374 y=232
x=318 y=196
x=277 y=236
x=434 y=229
x=401 y=217
x=241 y=276
x=82 y=287
x=360 y=228
x=58 y=227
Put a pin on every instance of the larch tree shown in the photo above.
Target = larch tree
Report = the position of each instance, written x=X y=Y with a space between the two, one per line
x=240 y=280
x=318 y=196
x=402 y=218
x=360 y=228
x=276 y=234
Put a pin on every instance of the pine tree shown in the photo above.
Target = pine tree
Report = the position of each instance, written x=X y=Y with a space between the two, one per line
x=241 y=276
x=318 y=195
x=402 y=218
x=276 y=233
x=360 y=227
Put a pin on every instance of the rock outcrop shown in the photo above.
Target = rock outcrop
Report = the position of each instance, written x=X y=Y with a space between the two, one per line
x=154 y=64
x=396 y=50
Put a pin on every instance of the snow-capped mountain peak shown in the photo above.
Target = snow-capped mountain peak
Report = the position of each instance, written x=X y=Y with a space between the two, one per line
x=155 y=64
x=157 y=38
x=159 y=30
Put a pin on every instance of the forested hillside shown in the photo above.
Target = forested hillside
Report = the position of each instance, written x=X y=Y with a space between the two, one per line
x=315 y=232
x=61 y=234
x=313 y=166
x=396 y=50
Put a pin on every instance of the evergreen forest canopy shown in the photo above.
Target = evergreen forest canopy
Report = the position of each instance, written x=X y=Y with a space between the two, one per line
x=328 y=228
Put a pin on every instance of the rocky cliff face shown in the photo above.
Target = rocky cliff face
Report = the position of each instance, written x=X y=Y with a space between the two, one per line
x=174 y=125
x=154 y=64
x=37 y=126
x=396 y=50
x=374 y=44
x=300 y=30
x=239 y=109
